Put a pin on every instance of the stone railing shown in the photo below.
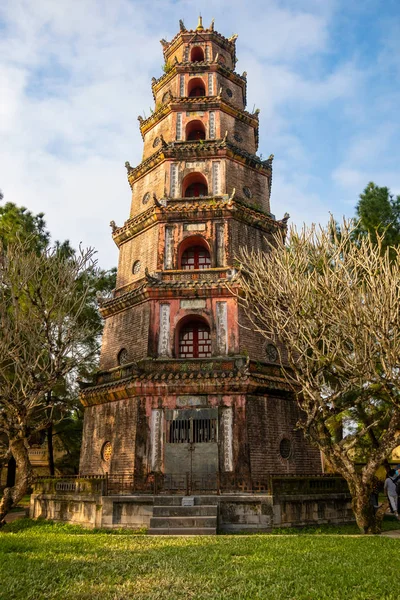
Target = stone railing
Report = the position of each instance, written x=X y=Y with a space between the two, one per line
x=196 y=275
x=94 y=484
x=306 y=485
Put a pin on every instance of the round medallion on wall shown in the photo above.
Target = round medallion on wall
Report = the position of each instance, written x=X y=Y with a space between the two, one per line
x=123 y=356
x=271 y=352
x=247 y=192
x=146 y=198
x=156 y=141
x=136 y=267
x=285 y=448
x=165 y=97
x=106 y=451
x=238 y=138
x=229 y=92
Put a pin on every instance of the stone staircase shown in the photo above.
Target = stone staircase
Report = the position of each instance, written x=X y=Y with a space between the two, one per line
x=183 y=515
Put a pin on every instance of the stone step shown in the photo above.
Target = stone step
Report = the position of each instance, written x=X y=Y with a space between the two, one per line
x=177 y=500
x=183 y=531
x=205 y=510
x=182 y=522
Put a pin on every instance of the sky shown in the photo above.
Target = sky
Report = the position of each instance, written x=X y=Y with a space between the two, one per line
x=75 y=74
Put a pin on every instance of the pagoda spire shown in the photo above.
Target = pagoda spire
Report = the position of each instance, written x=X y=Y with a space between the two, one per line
x=200 y=24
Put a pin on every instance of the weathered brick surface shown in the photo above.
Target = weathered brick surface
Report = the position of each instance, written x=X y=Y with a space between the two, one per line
x=237 y=129
x=128 y=329
x=152 y=182
x=142 y=248
x=269 y=420
x=239 y=176
x=115 y=422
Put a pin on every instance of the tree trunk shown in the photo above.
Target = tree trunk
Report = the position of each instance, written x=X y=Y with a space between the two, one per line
x=12 y=495
x=368 y=519
x=50 y=449
x=11 y=472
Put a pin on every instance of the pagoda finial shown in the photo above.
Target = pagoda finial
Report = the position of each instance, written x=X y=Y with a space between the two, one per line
x=212 y=25
x=200 y=24
x=182 y=25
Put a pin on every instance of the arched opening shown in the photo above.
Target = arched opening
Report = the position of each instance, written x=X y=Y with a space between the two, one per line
x=195 y=130
x=195 y=257
x=194 y=253
x=196 y=87
x=194 y=186
x=194 y=339
x=197 y=54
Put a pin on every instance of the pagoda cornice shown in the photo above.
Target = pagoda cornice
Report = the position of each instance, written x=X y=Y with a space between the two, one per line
x=189 y=36
x=164 y=377
x=157 y=289
x=198 y=149
x=175 y=209
x=196 y=67
x=198 y=103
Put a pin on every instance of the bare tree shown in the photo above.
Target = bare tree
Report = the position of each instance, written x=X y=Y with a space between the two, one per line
x=42 y=339
x=335 y=305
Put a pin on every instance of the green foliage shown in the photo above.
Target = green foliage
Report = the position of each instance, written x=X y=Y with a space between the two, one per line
x=378 y=212
x=18 y=222
x=53 y=561
x=167 y=67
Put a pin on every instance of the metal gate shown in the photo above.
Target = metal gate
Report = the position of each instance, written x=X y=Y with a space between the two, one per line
x=191 y=449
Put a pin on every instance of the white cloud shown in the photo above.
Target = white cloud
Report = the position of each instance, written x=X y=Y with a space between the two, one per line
x=75 y=75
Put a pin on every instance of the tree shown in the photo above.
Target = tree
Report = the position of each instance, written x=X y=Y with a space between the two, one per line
x=43 y=338
x=335 y=305
x=19 y=223
x=378 y=213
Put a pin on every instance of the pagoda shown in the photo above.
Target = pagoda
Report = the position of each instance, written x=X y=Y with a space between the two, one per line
x=187 y=391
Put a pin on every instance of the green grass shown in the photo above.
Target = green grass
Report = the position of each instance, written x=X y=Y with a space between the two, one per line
x=41 y=560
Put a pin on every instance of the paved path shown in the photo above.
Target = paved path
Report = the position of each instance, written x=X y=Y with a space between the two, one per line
x=13 y=516
x=392 y=534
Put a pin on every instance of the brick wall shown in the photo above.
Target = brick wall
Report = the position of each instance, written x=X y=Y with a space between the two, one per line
x=143 y=248
x=238 y=176
x=151 y=182
x=269 y=419
x=128 y=329
x=114 y=422
x=236 y=99
x=234 y=127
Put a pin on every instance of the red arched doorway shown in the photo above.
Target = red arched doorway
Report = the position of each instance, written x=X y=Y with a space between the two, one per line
x=194 y=339
x=196 y=87
x=194 y=185
x=195 y=257
x=197 y=54
x=195 y=130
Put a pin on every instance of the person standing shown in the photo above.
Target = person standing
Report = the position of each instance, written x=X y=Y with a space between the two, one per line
x=390 y=490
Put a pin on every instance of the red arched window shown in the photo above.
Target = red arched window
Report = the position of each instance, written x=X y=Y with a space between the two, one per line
x=194 y=185
x=194 y=190
x=196 y=257
x=197 y=54
x=195 y=130
x=196 y=87
x=195 y=340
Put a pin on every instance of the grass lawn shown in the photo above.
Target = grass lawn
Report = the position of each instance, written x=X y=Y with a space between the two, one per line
x=44 y=560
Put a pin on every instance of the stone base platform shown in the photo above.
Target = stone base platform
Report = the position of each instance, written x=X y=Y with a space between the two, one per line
x=225 y=512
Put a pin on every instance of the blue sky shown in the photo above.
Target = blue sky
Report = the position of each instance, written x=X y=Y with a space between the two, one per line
x=75 y=74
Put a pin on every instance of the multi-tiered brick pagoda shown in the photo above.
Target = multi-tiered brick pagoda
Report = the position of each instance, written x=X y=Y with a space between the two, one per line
x=186 y=389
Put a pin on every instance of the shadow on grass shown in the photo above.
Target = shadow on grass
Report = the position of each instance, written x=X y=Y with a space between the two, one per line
x=49 y=527
x=34 y=564
x=390 y=523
